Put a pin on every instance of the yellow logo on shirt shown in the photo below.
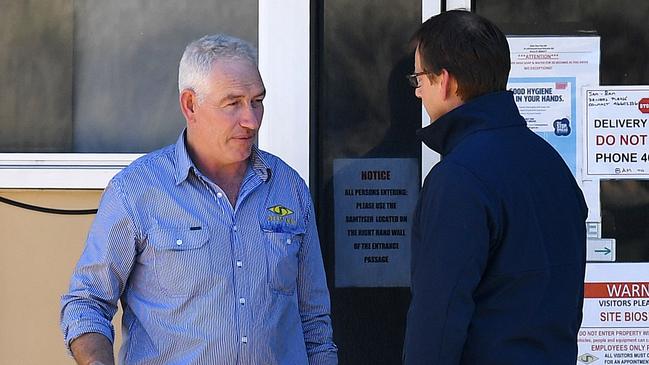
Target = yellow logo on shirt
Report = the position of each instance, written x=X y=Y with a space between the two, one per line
x=280 y=210
x=281 y=215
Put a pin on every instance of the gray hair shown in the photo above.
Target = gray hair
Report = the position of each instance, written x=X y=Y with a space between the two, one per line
x=200 y=55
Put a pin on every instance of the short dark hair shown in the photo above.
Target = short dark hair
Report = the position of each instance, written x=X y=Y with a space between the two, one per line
x=469 y=47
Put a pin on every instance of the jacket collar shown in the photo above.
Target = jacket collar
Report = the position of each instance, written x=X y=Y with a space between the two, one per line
x=184 y=163
x=489 y=111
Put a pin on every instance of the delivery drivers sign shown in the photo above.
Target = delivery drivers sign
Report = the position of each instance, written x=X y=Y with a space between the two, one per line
x=617 y=129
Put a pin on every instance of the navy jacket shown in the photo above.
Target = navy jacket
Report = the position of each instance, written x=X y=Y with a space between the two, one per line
x=498 y=250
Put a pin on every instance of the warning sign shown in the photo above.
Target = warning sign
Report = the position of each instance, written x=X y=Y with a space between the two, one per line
x=615 y=327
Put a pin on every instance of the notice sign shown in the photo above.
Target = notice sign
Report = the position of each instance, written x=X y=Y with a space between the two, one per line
x=374 y=200
x=617 y=128
x=615 y=327
x=546 y=76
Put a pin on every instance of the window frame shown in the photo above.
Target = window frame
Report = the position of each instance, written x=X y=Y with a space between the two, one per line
x=286 y=123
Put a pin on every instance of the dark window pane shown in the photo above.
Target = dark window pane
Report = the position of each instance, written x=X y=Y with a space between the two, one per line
x=621 y=24
x=625 y=218
x=100 y=76
x=36 y=41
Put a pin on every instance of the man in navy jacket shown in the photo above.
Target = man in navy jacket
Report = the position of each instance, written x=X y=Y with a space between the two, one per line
x=499 y=233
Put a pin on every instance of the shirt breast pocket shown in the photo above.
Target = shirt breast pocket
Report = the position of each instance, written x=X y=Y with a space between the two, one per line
x=282 y=259
x=181 y=260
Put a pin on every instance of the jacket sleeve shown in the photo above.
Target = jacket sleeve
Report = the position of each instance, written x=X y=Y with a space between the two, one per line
x=313 y=297
x=451 y=240
x=102 y=271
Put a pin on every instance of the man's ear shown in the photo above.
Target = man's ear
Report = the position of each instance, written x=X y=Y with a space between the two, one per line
x=188 y=102
x=449 y=87
x=448 y=84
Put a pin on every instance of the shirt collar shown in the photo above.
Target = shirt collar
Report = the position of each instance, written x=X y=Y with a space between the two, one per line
x=493 y=110
x=184 y=162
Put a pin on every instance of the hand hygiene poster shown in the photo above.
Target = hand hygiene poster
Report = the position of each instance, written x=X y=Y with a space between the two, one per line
x=547 y=74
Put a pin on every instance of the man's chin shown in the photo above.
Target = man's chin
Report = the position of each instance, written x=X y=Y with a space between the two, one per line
x=246 y=153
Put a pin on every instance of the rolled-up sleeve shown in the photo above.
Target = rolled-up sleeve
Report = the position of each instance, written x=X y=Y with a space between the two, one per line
x=313 y=298
x=102 y=271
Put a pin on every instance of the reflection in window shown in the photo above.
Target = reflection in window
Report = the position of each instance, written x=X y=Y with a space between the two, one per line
x=366 y=110
x=100 y=76
x=625 y=217
x=622 y=25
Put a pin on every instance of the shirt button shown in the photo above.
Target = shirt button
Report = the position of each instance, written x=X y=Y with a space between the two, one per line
x=219 y=195
x=288 y=241
x=242 y=301
x=179 y=242
x=234 y=228
x=239 y=263
x=244 y=339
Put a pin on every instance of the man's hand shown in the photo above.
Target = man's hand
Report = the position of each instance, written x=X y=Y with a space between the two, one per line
x=92 y=349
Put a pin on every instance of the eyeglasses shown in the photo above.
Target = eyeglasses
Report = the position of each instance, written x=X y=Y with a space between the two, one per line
x=413 y=79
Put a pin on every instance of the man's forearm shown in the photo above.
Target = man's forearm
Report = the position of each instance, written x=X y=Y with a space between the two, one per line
x=92 y=349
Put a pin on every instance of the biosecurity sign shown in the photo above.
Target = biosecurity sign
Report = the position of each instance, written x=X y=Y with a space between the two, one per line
x=615 y=326
x=617 y=129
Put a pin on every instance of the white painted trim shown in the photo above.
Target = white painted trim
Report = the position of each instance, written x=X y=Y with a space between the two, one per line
x=458 y=4
x=284 y=65
x=60 y=170
x=428 y=157
x=430 y=8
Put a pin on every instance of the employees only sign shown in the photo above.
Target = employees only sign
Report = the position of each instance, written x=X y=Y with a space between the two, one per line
x=615 y=326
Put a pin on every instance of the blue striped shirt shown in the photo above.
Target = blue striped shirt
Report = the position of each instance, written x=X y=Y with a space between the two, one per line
x=200 y=281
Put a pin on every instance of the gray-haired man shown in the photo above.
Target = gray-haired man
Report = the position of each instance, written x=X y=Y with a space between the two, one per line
x=210 y=244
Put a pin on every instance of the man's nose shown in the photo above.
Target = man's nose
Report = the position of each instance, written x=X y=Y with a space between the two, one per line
x=251 y=117
x=418 y=92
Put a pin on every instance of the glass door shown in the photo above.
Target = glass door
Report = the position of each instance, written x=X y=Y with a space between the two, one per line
x=366 y=161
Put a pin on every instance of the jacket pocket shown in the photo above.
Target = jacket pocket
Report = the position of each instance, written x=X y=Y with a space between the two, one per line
x=282 y=249
x=181 y=260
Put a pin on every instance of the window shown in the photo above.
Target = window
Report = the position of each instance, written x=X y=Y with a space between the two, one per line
x=100 y=76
